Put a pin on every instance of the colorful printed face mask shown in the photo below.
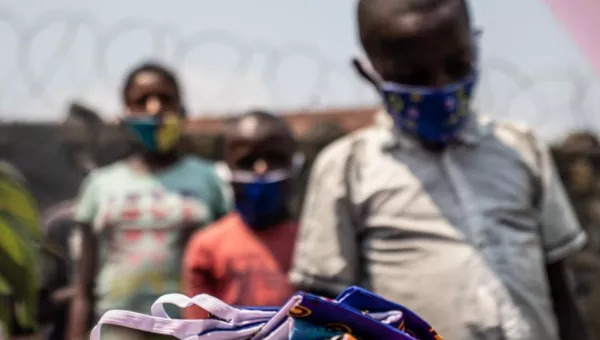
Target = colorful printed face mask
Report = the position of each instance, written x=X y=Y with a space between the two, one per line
x=154 y=133
x=225 y=323
x=433 y=114
x=317 y=318
x=302 y=317
x=411 y=324
x=261 y=200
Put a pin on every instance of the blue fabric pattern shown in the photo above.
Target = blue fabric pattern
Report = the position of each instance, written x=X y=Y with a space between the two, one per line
x=432 y=114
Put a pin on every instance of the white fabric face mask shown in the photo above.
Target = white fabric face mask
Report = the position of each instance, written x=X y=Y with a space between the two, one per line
x=232 y=323
x=229 y=323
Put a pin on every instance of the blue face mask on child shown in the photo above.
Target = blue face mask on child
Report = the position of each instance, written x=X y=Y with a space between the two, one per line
x=261 y=200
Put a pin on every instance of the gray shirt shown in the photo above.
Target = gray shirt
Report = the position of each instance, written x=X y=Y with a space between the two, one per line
x=461 y=237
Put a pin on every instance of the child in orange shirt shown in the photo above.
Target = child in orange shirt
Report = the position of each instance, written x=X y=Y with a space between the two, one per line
x=244 y=258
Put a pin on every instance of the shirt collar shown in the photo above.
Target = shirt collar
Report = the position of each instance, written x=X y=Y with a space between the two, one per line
x=477 y=127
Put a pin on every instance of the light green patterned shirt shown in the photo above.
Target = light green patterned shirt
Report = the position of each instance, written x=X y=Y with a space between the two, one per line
x=141 y=221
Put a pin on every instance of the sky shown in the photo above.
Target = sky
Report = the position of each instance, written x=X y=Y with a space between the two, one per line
x=236 y=54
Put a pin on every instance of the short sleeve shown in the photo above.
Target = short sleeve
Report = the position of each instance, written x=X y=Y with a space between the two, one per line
x=86 y=206
x=561 y=233
x=326 y=257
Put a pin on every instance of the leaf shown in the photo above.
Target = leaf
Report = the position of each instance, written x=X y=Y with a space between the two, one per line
x=11 y=243
x=19 y=272
x=20 y=242
x=5 y=318
x=17 y=202
x=22 y=280
x=4 y=286
x=24 y=315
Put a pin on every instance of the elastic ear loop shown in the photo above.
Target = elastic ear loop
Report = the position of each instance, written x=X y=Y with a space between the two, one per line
x=279 y=320
x=210 y=304
x=249 y=177
x=367 y=72
x=181 y=329
x=298 y=163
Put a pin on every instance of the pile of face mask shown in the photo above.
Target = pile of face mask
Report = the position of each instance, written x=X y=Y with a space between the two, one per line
x=354 y=314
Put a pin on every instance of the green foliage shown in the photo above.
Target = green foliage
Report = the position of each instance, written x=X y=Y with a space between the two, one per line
x=20 y=241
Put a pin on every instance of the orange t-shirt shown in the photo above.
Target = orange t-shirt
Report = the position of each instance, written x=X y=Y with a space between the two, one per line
x=238 y=265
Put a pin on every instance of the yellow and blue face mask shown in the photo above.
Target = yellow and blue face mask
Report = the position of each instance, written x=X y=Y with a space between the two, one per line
x=433 y=114
x=158 y=134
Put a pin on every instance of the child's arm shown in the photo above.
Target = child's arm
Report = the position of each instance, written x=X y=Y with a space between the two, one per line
x=196 y=276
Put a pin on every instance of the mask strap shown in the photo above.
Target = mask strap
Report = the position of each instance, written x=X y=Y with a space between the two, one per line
x=229 y=175
x=281 y=317
x=212 y=305
x=298 y=162
x=251 y=177
x=180 y=329
x=367 y=72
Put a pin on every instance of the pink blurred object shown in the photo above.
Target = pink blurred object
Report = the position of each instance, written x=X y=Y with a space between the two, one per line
x=580 y=17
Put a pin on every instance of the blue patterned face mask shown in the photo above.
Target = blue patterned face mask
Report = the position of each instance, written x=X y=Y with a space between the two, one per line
x=433 y=114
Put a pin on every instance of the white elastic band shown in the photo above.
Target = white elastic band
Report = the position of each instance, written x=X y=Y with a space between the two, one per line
x=242 y=176
x=212 y=305
x=387 y=317
x=282 y=332
x=278 y=319
x=181 y=329
x=298 y=161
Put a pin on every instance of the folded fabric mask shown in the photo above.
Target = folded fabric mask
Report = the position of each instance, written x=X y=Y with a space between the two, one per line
x=364 y=300
x=227 y=323
x=303 y=317
x=318 y=318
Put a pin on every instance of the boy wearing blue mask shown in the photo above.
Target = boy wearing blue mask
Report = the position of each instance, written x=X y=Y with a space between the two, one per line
x=459 y=217
x=244 y=258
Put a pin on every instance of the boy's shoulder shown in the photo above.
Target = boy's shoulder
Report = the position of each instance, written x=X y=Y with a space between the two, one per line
x=196 y=163
x=107 y=172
